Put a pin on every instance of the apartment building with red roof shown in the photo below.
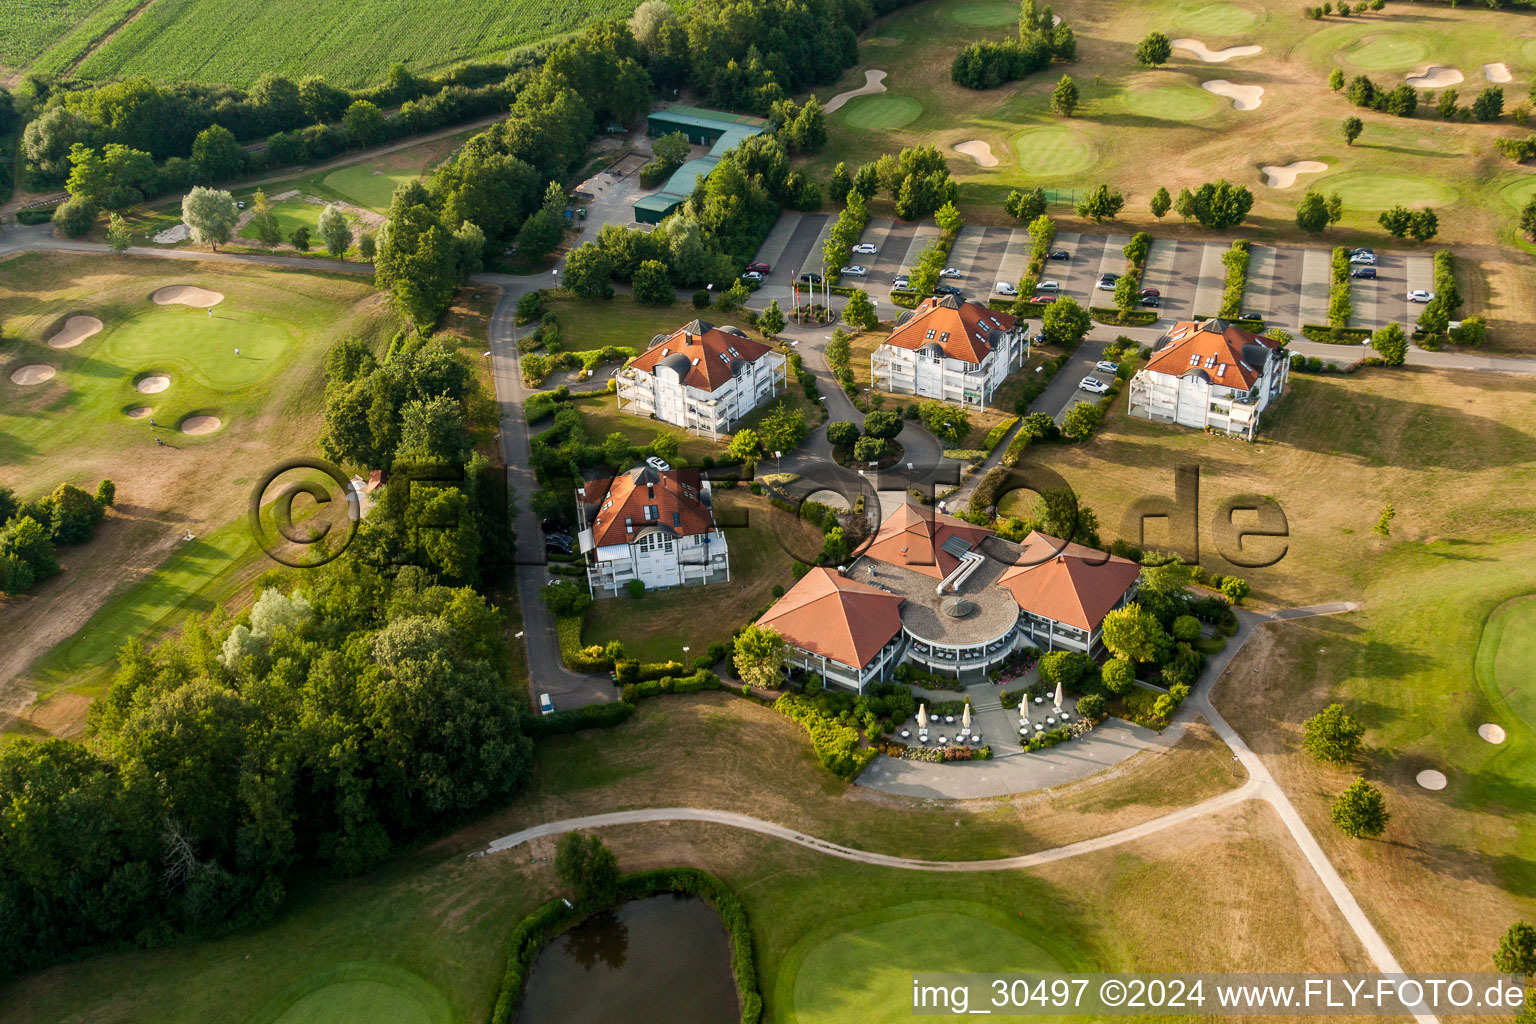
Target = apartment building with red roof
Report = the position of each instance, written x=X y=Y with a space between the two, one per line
x=650 y=525
x=701 y=377
x=1210 y=374
x=951 y=350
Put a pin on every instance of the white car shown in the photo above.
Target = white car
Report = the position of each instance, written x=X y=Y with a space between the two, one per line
x=546 y=706
x=866 y=249
x=1107 y=366
x=660 y=465
x=1420 y=295
x=1048 y=286
x=949 y=272
x=901 y=281
x=1092 y=384
x=1368 y=258
x=1004 y=288
x=752 y=275
x=854 y=271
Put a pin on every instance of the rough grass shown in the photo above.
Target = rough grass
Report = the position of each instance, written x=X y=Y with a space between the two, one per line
x=592 y=323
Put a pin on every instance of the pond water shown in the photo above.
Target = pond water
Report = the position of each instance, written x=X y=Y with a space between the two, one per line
x=663 y=958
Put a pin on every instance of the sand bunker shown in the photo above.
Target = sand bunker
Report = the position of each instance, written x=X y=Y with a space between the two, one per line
x=1431 y=779
x=170 y=236
x=75 y=330
x=1210 y=56
x=153 y=385
x=1492 y=733
x=1284 y=175
x=138 y=412
x=874 y=81
x=979 y=151
x=186 y=295
x=1243 y=97
x=200 y=424
x=1435 y=77
x=1496 y=72
x=37 y=373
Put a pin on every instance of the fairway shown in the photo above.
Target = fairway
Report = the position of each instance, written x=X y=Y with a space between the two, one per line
x=1218 y=19
x=1050 y=152
x=358 y=993
x=291 y=214
x=864 y=970
x=881 y=113
x=1518 y=192
x=366 y=186
x=1386 y=51
x=1363 y=191
x=1506 y=658
x=1172 y=103
x=984 y=13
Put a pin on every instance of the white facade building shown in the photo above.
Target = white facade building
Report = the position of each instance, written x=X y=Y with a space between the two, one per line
x=655 y=527
x=701 y=377
x=950 y=350
x=1211 y=374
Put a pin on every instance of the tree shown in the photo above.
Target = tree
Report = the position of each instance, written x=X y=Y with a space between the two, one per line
x=300 y=238
x=946 y=421
x=1332 y=735
x=1360 y=811
x=1101 y=204
x=75 y=515
x=433 y=430
x=588 y=271
x=1473 y=332
x=782 y=429
x=335 y=230
x=1080 y=421
x=118 y=239
x=1335 y=206
x=1423 y=225
x=771 y=322
x=217 y=154
x=1127 y=292
x=1384 y=521
x=653 y=284
x=588 y=868
x=744 y=444
x=882 y=423
x=1221 y=204
x=948 y=218
x=1234 y=589
x=1134 y=634
x=1025 y=205
x=364 y=123
x=1185 y=203
x=840 y=184
x=210 y=215
x=1391 y=343
x=1161 y=202
x=1154 y=50
x=1403 y=101
x=841 y=433
x=1396 y=220
x=1489 y=104
x=1059 y=514
x=1336 y=79
x=1093 y=707
x=1064 y=322
x=566 y=599
x=1528 y=218
x=1312 y=214
x=1352 y=127
x=760 y=656
x=1064 y=97
x=870 y=449
x=416 y=260
x=268 y=232
x=1517 y=950
x=1447 y=104
x=106 y=495
x=860 y=311
x=74 y=217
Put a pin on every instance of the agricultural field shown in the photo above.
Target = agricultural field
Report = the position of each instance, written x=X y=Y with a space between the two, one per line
x=1140 y=128
x=50 y=35
x=224 y=41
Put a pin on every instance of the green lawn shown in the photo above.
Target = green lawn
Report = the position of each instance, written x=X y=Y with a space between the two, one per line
x=1052 y=151
x=292 y=214
x=880 y=113
x=588 y=323
x=1361 y=190
x=368 y=186
x=1387 y=50
x=358 y=993
x=1506 y=661
x=1217 y=19
x=1172 y=102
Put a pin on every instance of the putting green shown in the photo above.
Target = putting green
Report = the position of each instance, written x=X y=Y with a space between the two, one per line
x=367 y=187
x=864 y=970
x=1506 y=658
x=191 y=346
x=358 y=993
x=1218 y=19
x=1528 y=50
x=984 y=13
x=1518 y=192
x=1386 y=51
x=1052 y=151
x=881 y=113
x=1172 y=103
x=1363 y=191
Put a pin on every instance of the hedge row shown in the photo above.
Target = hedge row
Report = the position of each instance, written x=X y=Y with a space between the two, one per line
x=836 y=745
x=996 y=434
x=36 y=215
x=1335 y=335
x=1042 y=232
x=1339 y=304
x=1236 y=261
x=592 y=716
x=1121 y=318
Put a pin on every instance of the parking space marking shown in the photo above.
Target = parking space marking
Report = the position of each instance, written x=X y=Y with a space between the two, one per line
x=1365 y=302
x=962 y=256
x=1421 y=274
x=802 y=241
x=1078 y=274
x=1259 y=291
x=1184 y=279
x=1159 y=270
x=1015 y=259
x=772 y=249
x=1112 y=262
x=886 y=264
x=1211 y=283
x=1285 y=289
x=1316 y=276
x=922 y=238
x=815 y=262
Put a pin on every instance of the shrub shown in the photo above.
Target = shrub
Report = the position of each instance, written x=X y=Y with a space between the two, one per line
x=1236 y=261
x=74 y=217
x=1092 y=707
x=1119 y=676
x=635 y=589
x=1234 y=589
x=842 y=434
x=701 y=299
x=1186 y=628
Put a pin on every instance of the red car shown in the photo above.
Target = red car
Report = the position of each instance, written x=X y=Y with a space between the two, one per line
x=761 y=268
x=1042 y=300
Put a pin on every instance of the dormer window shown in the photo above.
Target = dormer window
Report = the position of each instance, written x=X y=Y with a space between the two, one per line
x=1194 y=360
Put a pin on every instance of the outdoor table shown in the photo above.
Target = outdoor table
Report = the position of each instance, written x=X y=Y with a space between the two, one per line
x=1050 y=721
x=949 y=719
x=1023 y=732
x=1039 y=727
x=1039 y=700
x=905 y=734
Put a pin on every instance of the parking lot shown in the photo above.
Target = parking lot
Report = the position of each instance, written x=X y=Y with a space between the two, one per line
x=1287 y=285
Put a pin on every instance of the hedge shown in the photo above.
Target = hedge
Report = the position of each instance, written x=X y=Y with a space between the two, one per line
x=1335 y=335
x=1339 y=303
x=35 y=215
x=996 y=434
x=836 y=745
x=578 y=658
x=1117 y=318
x=553 y=917
x=1236 y=262
x=592 y=716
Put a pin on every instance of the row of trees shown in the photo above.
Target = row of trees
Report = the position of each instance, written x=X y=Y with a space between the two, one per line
x=986 y=65
x=31 y=530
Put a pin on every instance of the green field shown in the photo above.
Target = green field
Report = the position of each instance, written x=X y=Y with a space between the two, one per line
x=1393 y=50
x=880 y=113
x=291 y=214
x=1217 y=19
x=1362 y=190
x=983 y=13
x=368 y=186
x=52 y=33
x=587 y=325
x=1172 y=103
x=227 y=41
x=1506 y=659
x=358 y=993
x=1051 y=152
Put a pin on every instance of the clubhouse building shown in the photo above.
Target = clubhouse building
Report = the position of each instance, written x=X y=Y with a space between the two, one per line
x=949 y=597
x=949 y=349
x=1210 y=374
x=652 y=526
x=700 y=377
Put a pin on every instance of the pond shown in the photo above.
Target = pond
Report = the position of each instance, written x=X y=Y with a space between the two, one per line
x=663 y=958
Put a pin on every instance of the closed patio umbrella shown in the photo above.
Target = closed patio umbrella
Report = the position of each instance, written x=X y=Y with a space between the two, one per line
x=922 y=718
x=965 y=718
x=1058 y=696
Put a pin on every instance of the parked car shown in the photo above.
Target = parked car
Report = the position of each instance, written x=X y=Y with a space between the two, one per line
x=1250 y=315
x=1420 y=295
x=1039 y=338
x=1107 y=282
x=854 y=271
x=240 y=205
x=657 y=463
x=1059 y=254
x=866 y=248
x=1107 y=366
x=901 y=281
x=1004 y=288
x=752 y=275
x=1363 y=257
x=949 y=272
x=949 y=289
x=1048 y=286
x=810 y=278
x=1151 y=301
x=1092 y=384
x=759 y=268
x=559 y=544
x=553 y=526
x=1150 y=291
x=1362 y=249
x=1043 y=300
x=546 y=706
x=1367 y=273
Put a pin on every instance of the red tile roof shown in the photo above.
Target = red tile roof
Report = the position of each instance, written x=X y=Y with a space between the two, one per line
x=1214 y=349
x=828 y=614
x=702 y=353
x=961 y=329
x=674 y=494
x=913 y=537
x=1070 y=583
